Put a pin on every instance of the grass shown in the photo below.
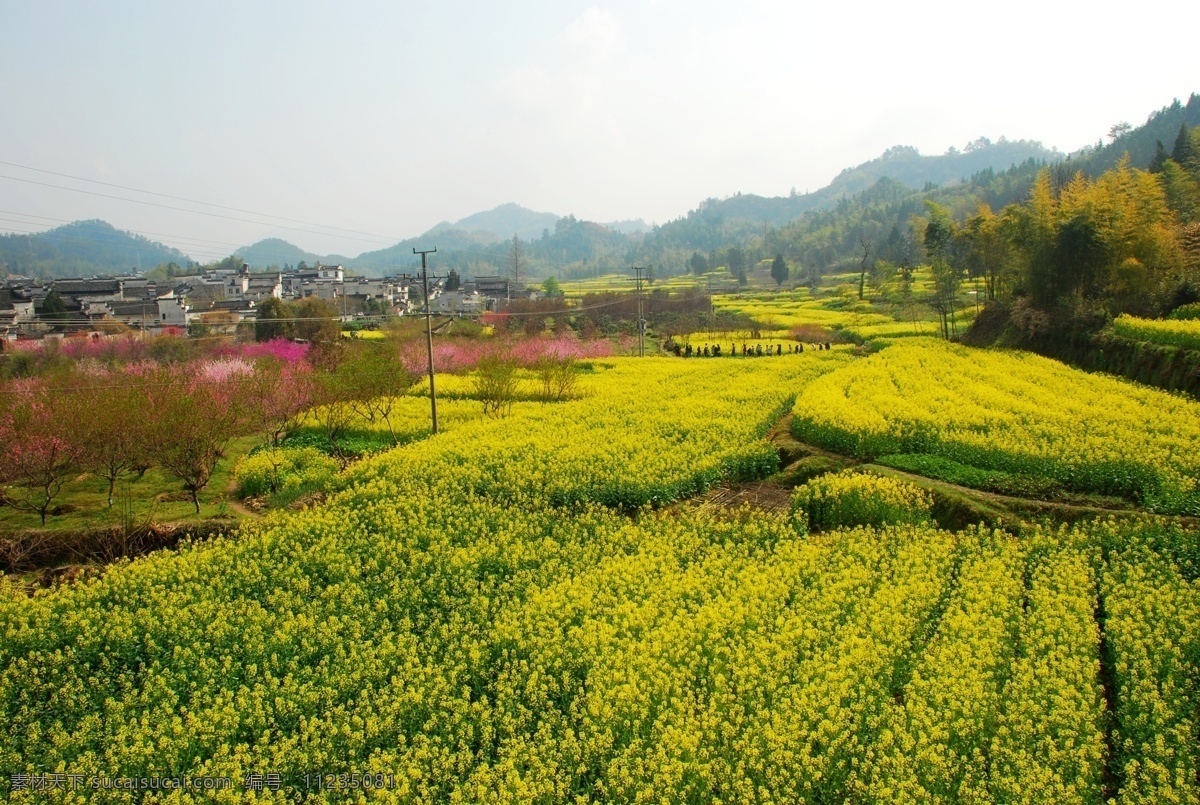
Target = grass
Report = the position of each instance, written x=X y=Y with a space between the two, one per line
x=156 y=496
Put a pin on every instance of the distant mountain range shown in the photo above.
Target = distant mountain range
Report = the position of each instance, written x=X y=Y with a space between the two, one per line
x=468 y=234
x=89 y=247
x=902 y=164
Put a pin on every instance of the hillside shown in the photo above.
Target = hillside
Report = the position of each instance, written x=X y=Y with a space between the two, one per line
x=502 y=223
x=278 y=252
x=901 y=164
x=82 y=248
x=1140 y=142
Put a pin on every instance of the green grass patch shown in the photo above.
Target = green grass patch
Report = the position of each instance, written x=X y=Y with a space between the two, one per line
x=156 y=497
x=954 y=472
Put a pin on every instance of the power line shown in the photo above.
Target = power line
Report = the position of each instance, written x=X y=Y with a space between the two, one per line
x=196 y=212
x=92 y=233
x=189 y=200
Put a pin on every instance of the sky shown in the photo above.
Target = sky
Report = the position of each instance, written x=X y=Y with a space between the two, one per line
x=344 y=127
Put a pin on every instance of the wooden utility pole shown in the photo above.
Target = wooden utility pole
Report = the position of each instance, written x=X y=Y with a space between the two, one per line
x=428 y=331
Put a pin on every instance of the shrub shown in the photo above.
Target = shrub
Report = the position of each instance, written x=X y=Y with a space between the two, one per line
x=285 y=470
x=848 y=499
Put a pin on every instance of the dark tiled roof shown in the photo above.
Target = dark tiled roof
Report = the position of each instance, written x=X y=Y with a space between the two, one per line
x=137 y=308
x=77 y=287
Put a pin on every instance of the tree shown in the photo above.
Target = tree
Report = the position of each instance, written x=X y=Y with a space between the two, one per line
x=53 y=309
x=274 y=320
x=551 y=288
x=947 y=275
x=317 y=321
x=559 y=378
x=698 y=264
x=987 y=249
x=42 y=450
x=332 y=410
x=113 y=433
x=1182 y=191
x=1184 y=151
x=453 y=281
x=862 y=275
x=371 y=379
x=735 y=261
x=1160 y=157
x=281 y=393
x=779 y=270
x=192 y=419
x=516 y=263
x=1119 y=130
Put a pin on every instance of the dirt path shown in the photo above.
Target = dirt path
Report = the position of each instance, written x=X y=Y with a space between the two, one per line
x=955 y=506
x=235 y=505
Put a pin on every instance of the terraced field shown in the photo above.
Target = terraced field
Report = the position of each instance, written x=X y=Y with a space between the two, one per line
x=510 y=612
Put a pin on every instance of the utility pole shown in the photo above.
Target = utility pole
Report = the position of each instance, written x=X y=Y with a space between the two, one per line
x=641 y=323
x=428 y=332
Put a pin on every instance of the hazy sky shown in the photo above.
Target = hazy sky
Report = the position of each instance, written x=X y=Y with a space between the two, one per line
x=388 y=117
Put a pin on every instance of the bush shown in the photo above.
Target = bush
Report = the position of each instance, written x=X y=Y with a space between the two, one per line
x=1186 y=312
x=285 y=470
x=847 y=499
x=496 y=384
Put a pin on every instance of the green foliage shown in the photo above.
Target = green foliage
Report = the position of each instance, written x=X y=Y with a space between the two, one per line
x=285 y=470
x=1186 y=312
x=81 y=249
x=551 y=288
x=954 y=472
x=779 y=270
x=274 y=320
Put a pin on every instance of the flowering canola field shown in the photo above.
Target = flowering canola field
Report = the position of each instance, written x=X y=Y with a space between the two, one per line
x=1015 y=412
x=485 y=616
x=1183 y=333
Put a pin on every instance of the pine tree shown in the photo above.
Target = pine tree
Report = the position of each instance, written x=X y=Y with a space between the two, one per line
x=1184 y=151
x=1160 y=157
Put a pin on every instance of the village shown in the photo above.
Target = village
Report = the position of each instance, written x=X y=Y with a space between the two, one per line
x=215 y=301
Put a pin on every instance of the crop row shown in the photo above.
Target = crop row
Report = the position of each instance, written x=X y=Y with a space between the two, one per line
x=1013 y=412
x=443 y=621
x=1153 y=626
x=636 y=438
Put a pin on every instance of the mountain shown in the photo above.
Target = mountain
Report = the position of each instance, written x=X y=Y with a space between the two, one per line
x=823 y=227
x=83 y=248
x=448 y=240
x=903 y=165
x=503 y=222
x=906 y=165
x=277 y=252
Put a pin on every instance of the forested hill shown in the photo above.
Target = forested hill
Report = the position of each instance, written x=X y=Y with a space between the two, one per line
x=829 y=229
x=82 y=248
x=902 y=164
x=503 y=222
x=278 y=252
x=1160 y=131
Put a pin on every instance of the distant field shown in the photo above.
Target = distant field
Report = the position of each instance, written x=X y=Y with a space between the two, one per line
x=1171 y=332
